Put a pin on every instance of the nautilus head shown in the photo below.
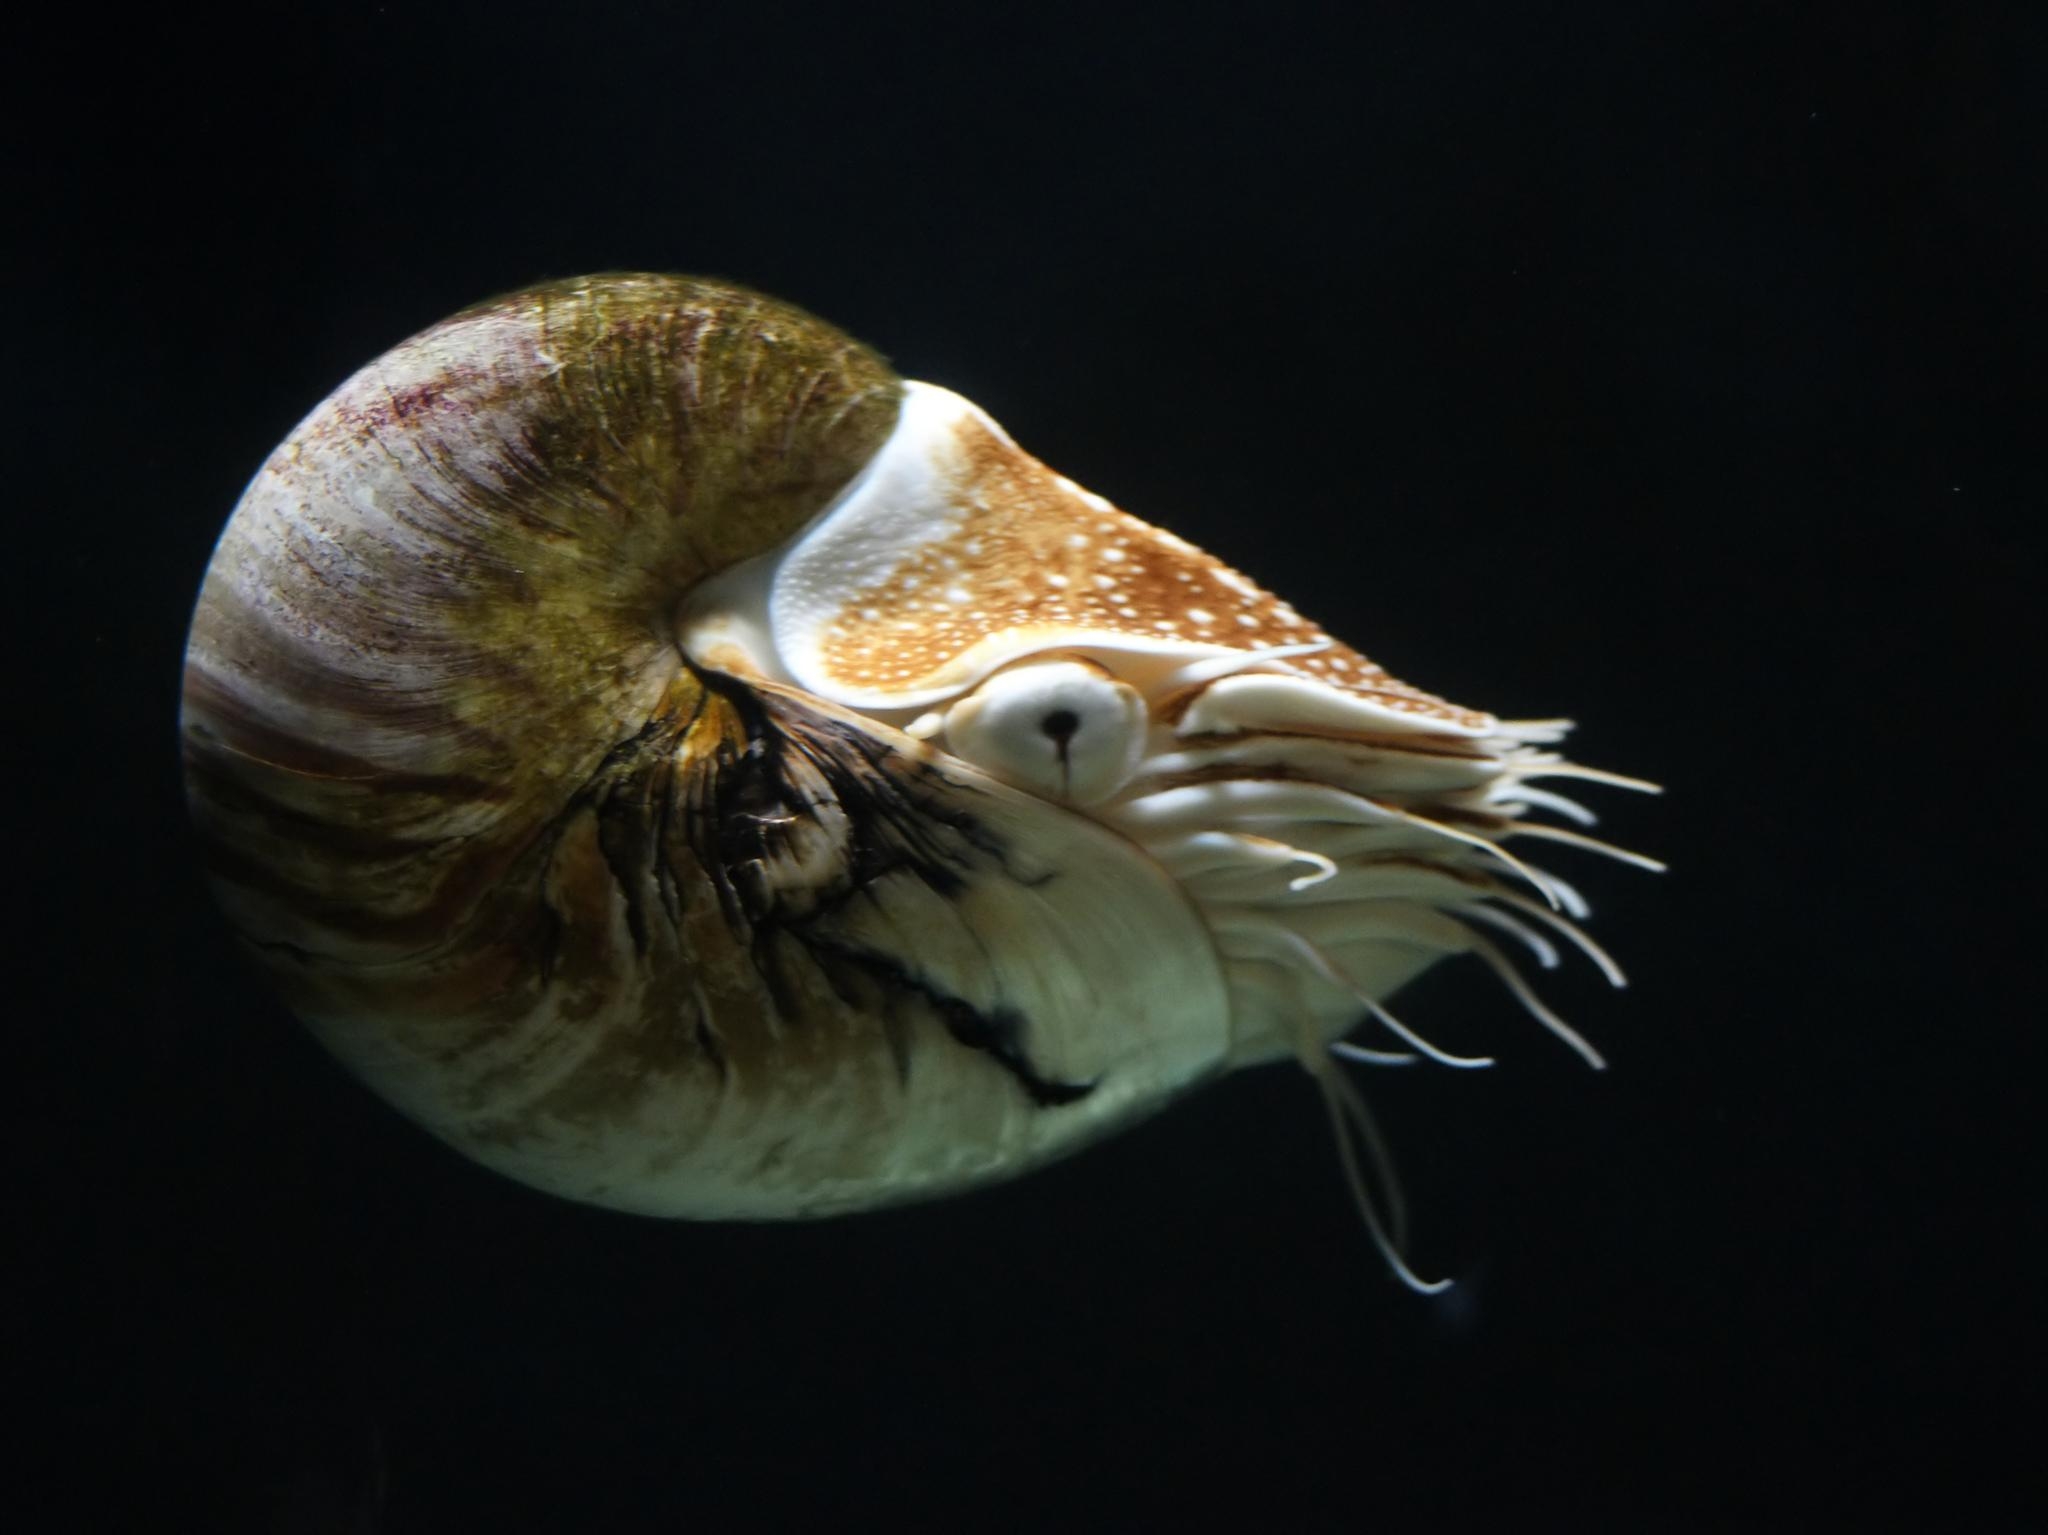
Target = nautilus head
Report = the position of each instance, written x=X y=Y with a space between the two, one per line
x=689 y=769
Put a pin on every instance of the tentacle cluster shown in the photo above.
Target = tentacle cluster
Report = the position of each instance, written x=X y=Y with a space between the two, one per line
x=1337 y=859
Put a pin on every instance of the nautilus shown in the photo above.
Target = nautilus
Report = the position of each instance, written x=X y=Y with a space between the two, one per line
x=691 y=770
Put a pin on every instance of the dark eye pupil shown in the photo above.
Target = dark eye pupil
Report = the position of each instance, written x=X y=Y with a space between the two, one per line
x=1060 y=724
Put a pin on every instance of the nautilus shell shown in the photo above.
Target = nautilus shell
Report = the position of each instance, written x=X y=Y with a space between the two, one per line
x=692 y=770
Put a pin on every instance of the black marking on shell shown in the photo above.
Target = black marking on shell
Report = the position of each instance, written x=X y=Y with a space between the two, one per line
x=748 y=807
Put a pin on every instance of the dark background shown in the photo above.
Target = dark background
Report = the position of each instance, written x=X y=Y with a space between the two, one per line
x=1676 y=367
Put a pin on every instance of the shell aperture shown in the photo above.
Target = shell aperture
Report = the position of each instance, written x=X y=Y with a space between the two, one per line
x=691 y=770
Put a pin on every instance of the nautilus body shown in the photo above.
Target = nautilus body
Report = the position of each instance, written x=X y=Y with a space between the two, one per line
x=692 y=770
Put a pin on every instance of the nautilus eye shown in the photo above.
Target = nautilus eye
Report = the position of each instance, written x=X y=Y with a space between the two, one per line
x=1064 y=729
x=692 y=770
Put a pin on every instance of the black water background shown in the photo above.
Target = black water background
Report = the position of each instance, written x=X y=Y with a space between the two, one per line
x=1676 y=368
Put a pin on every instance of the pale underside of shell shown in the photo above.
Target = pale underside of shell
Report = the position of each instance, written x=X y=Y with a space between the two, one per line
x=567 y=723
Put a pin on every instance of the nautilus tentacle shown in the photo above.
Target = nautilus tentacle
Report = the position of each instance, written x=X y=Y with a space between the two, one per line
x=692 y=770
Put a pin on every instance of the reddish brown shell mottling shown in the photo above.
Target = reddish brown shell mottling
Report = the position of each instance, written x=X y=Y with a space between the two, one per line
x=1035 y=560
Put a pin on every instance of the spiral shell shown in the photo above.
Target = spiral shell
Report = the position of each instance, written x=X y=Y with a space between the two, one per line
x=692 y=770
